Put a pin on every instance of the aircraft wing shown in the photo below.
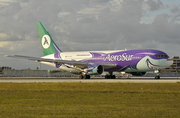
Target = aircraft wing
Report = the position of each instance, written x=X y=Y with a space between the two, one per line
x=79 y=64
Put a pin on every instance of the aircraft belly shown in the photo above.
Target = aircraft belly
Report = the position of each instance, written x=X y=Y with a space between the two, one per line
x=48 y=63
x=70 y=69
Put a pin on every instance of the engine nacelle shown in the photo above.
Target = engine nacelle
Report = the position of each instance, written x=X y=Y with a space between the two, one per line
x=138 y=73
x=94 y=69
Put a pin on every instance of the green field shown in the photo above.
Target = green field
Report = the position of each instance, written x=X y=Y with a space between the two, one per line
x=90 y=100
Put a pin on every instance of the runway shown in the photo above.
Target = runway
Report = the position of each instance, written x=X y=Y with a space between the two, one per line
x=93 y=80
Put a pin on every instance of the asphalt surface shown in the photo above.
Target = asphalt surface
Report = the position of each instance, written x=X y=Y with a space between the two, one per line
x=93 y=80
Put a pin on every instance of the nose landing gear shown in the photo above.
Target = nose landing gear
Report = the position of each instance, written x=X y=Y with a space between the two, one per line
x=157 y=77
x=157 y=74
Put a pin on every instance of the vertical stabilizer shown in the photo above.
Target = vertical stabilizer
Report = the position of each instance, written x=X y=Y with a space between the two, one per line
x=47 y=43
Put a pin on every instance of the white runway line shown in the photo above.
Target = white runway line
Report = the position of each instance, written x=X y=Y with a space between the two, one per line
x=90 y=80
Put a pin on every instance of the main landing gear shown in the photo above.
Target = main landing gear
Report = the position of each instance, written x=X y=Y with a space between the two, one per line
x=111 y=76
x=84 y=76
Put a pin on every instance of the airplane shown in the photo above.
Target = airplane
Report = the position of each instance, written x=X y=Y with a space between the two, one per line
x=87 y=63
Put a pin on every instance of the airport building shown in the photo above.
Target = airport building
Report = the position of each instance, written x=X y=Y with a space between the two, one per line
x=1 y=72
x=35 y=73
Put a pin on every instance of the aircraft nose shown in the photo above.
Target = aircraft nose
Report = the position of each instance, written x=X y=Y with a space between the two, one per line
x=169 y=62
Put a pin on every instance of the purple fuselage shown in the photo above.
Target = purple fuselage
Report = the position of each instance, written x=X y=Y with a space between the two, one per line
x=125 y=59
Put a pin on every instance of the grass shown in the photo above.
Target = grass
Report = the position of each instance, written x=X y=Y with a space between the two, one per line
x=78 y=100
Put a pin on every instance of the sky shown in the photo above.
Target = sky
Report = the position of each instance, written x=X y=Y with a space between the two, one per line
x=87 y=25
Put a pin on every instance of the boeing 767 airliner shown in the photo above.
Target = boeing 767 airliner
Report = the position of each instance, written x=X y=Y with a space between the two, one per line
x=87 y=63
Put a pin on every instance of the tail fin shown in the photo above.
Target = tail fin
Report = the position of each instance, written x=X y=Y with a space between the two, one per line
x=48 y=45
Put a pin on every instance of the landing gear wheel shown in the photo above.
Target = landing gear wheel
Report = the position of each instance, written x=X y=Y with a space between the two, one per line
x=157 y=77
x=81 y=77
x=87 y=76
x=106 y=77
x=113 y=77
x=110 y=77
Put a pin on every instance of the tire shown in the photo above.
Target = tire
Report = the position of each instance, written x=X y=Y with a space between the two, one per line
x=85 y=76
x=88 y=76
x=106 y=77
x=113 y=77
x=81 y=77
x=157 y=77
x=110 y=77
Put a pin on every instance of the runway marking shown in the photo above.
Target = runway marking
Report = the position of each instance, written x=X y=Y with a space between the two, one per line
x=90 y=80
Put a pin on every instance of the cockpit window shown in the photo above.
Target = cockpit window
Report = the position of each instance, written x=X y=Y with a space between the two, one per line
x=162 y=56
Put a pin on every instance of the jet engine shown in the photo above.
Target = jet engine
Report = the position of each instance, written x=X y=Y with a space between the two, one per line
x=94 y=69
x=138 y=73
